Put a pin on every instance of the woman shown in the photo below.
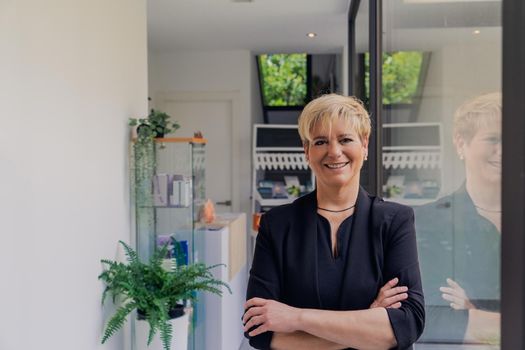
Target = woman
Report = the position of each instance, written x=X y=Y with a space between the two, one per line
x=320 y=261
x=459 y=236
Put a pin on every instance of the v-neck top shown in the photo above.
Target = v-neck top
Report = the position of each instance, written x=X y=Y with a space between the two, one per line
x=331 y=268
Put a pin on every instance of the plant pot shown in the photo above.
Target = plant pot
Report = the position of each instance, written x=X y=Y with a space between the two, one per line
x=179 y=340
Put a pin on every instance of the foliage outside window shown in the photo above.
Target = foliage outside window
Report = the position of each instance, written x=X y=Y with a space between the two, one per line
x=283 y=79
x=401 y=72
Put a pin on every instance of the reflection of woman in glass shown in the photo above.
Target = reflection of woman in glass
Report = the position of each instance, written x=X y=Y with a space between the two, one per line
x=459 y=235
x=320 y=261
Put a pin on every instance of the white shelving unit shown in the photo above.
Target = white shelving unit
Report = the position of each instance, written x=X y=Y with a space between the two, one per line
x=277 y=151
x=416 y=156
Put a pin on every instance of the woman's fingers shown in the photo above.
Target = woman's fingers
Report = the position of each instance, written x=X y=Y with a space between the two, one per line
x=456 y=296
x=255 y=310
x=396 y=299
x=395 y=306
x=453 y=283
x=390 y=296
x=389 y=285
x=269 y=315
x=259 y=330
x=253 y=322
x=254 y=302
x=394 y=291
x=449 y=291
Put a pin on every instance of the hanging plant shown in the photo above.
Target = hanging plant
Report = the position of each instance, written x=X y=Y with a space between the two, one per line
x=155 y=125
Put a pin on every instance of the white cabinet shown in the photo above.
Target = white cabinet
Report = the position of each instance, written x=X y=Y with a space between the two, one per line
x=219 y=318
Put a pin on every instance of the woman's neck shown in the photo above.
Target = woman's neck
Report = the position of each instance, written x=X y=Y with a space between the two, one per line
x=485 y=196
x=336 y=198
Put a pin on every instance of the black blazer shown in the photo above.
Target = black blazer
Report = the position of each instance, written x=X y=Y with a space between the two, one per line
x=382 y=246
x=454 y=241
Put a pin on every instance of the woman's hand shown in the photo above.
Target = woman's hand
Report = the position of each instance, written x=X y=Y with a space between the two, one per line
x=269 y=315
x=456 y=295
x=390 y=296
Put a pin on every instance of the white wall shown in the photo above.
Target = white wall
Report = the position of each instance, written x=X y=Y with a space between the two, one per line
x=212 y=71
x=72 y=72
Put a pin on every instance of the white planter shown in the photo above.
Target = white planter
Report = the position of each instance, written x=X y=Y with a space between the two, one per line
x=179 y=340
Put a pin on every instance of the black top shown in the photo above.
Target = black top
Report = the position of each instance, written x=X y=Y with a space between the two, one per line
x=382 y=246
x=455 y=242
x=331 y=268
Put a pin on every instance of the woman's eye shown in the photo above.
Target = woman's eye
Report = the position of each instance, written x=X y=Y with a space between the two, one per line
x=493 y=140
x=319 y=142
x=346 y=140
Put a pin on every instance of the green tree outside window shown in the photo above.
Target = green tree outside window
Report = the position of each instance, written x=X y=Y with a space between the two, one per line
x=401 y=72
x=283 y=78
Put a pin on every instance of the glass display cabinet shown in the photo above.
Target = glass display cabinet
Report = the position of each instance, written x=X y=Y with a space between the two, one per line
x=168 y=189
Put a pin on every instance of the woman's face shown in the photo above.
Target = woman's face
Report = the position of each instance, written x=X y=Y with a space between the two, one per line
x=336 y=155
x=482 y=154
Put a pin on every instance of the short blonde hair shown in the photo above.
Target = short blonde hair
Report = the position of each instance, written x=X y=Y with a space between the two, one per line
x=475 y=113
x=323 y=110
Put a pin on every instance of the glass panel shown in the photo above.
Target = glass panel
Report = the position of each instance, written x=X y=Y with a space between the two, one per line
x=442 y=155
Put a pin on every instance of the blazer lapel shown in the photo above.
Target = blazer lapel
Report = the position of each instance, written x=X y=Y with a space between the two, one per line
x=356 y=273
x=304 y=251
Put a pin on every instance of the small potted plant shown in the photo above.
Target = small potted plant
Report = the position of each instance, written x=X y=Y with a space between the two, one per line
x=155 y=292
x=155 y=125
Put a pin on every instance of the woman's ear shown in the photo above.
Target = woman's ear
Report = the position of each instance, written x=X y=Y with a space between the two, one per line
x=365 y=149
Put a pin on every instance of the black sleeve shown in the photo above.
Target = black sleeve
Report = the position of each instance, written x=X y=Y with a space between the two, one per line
x=264 y=278
x=401 y=261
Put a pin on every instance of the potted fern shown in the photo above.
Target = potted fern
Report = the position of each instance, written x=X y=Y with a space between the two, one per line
x=156 y=293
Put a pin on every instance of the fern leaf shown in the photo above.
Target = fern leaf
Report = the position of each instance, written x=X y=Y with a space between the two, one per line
x=152 y=331
x=118 y=320
x=131 y=255
x=166 y=334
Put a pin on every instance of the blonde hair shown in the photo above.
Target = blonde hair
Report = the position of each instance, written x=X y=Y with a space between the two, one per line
x=322 y=111
x=476 y=113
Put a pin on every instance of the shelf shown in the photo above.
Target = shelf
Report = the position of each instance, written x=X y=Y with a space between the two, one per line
x=164 y=207
x=272 y=202
x=418 y=160
x=280 y=161
x=181 y=139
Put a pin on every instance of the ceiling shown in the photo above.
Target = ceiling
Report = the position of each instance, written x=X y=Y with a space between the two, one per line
x=280 y=26
x=258 y=25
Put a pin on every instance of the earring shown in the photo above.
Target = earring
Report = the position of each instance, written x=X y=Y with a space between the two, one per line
x=460 y=155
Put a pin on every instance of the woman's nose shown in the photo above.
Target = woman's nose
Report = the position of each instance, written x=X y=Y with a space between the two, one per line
x=334 y=149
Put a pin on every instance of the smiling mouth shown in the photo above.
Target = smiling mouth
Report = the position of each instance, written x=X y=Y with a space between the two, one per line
x=336 y=165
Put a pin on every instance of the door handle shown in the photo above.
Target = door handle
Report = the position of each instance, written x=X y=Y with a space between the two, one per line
x=227 y=202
